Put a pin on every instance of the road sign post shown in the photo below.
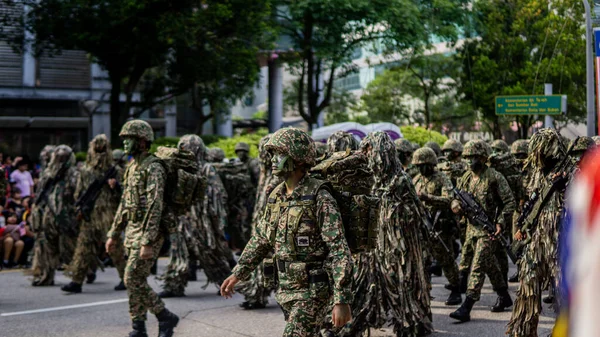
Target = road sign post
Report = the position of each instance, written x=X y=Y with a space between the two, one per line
x=530 y=105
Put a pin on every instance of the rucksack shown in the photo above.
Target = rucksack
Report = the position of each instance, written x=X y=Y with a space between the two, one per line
x=351 y=182
x=185 y=183
x=237 y=181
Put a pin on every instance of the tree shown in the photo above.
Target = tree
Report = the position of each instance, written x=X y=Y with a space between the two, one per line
x=385 y=98
x=324 y=33
x=513 y=47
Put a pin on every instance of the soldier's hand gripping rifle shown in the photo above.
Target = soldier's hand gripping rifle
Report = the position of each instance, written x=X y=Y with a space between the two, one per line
x=86 y=202
x=476 y=215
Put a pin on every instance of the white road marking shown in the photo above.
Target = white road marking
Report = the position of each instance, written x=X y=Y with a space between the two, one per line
x=66 y=307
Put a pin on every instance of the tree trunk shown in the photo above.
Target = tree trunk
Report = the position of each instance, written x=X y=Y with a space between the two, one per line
x=116 y=120
x=427 y=112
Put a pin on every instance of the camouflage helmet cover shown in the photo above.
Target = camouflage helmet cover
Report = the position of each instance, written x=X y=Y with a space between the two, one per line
x=424 y=155
x=137 y=128
x=264 y=156
x=403 y=145
x=500 y=145
x=477 y=147
x=295 y=143
x=321 y=149
x=520 y=146
x=453 y=145
x=435 y=147
x=95 y=158
x=584 y=143
x=341 y=141
x=194 y=144
x=216 y=155
x=596 y=140
x=241 y=146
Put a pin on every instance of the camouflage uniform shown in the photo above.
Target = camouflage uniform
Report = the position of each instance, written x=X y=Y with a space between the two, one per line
x=199 y=238
x=582 y=145
x=492 y=192
x=53 y=218
x=454 y=167
x=539 y=265
x=255 y=292
x=143 y=214
x=92 y=234
x=435 y=190
x=405 y=149
x=304 y=231
x=399 y=253
x=46 y=155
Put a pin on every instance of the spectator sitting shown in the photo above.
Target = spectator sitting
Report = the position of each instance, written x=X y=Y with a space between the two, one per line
x=15 y=204
x=12 y=239
x=22 y=179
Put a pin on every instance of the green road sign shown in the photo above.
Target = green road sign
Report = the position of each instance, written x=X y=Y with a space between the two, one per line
x=529 y=105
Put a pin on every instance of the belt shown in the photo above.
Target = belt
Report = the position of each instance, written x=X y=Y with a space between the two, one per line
x=282 y=267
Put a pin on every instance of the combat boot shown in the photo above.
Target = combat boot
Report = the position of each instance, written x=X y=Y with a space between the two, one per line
x=120 y=286
x=514 y=278
x=455 y=298
x=463 y=313
x=170 y=294
x=448 y=286
x=74 y=288
x=192 y=272
x=252 y=305
x=435 y=269
x=91 y=277
x=139 y=329
x=463 y=279
x=504 y=301
x=167 y=321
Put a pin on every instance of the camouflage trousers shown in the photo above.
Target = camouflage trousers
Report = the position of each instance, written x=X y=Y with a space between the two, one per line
x=446 y=259
x=502 y=258
x=484 y=263
x=46 y=257
x=254 y=289
x=68 y=243
x=141 y=296
x=304 y=317
x=466 y=254
x=90 y=244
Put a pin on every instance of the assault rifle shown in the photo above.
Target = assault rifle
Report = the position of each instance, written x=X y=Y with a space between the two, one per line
x=476 y=215
x=86 y=202
x=532 y=208
x=430 y=223
x=42 y=197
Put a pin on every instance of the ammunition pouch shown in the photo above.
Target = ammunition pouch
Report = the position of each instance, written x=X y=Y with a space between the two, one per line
x=270 y=275
x=310 y=276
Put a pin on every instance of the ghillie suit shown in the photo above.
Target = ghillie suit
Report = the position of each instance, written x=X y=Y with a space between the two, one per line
x=53 y=217
x=95 y=223
x=255 y=290
x=539 y=267
x=401 y=287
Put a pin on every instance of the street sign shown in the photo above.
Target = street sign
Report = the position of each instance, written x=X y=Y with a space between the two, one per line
x=530 y=105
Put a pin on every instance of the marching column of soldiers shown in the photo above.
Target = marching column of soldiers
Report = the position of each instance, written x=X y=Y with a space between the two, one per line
x=347 y=234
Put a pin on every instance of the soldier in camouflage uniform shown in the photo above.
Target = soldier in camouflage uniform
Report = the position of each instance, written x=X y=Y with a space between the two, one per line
x=46 y=155
x=255 y=292
x=302 y=226
x=53 y=215
x=435 y=191
x=143 y=216
x=539 y=266
x=491 y=191
x=435 y=147
x=92 y=234
x=201 y=230
x=405 y=150
x=582 y=145
x=399 y=252
x=242 y=150
x=455 y=167
x=499 y=146
x=216 y=155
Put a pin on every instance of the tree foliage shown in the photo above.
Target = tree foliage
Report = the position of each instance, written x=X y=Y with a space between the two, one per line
x=516 y=46
x=421 y=135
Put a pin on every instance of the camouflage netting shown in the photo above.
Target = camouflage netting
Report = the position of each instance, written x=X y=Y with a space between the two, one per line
x=546 y=143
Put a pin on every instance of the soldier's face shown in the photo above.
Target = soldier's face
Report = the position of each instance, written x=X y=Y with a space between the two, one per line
x=243 y=155
x=282 y=165
x=131 y=146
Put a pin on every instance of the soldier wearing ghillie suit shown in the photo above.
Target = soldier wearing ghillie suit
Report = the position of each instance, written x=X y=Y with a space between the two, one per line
x=492 y=192
x=401 y=278
x=143 y=215
x=255 y=292
x=302 y=227
x=45 y=156
x=435 y=191
x=405 y=150
x=92 y=232
x=539 y=266
x=53 y=217
x=201 y=231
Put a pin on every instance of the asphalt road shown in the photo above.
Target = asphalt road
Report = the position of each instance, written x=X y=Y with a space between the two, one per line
x=26 y=311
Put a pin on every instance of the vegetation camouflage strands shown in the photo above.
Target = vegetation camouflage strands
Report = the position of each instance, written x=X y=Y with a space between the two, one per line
x=137 y=128
x=538 y=267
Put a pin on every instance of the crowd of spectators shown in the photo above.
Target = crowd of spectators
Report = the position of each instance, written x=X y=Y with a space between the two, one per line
x=16 y=237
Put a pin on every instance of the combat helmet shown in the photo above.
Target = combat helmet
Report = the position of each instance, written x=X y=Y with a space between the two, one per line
x=341 y=141
x=435 y=147
x=241 y=146
x=403 y=145
x=453 y=145
x=194 y=144
x=583 y=144
x=596 y=140
x=477 y=147
x=295 y=143
x=118 y=155
x=137 y=128
x=216 y=155
x=424 y=155
x=500 y=146
x=520 y=146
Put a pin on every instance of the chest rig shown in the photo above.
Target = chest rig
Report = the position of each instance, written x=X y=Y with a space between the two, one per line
x=134 y=187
